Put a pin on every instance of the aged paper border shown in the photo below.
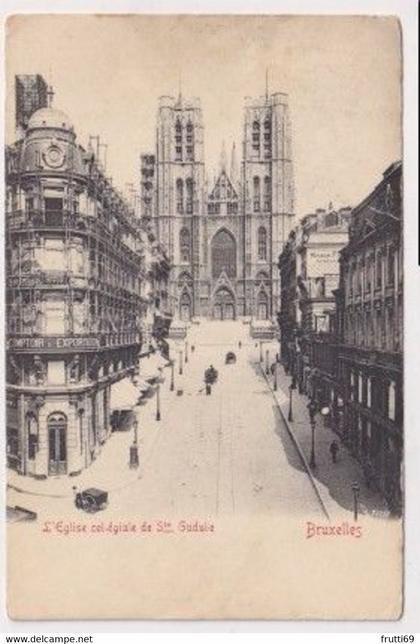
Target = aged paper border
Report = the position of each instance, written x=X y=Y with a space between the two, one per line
x=412 y=288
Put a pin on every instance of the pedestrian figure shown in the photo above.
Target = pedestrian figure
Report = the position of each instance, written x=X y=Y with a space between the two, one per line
x=334 y=451
x=239 y=344
x=192 y=348
x=210 y=377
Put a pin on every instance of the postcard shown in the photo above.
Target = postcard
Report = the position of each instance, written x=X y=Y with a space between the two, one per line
x=204 y=301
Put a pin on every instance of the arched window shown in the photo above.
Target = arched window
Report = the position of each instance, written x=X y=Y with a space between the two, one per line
x=223 y=254
x=178 y=140
x=262 y=308
x=256 y=136
x=184 y=244
x=262 y=277
x=184 y=279
x=257 y=194
x=190 y=141
x=179 y=196
x=57 y=443
x=262 y=243
x=190 y=194
x=185 y=307
x=267 y=138
x=267 y=194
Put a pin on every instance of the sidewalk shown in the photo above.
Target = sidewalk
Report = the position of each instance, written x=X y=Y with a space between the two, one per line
x=334 y=480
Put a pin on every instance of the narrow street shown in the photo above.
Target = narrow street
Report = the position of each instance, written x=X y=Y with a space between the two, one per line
x=228 y=453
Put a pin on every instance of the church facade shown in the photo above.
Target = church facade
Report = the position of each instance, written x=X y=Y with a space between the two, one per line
x=223 y=239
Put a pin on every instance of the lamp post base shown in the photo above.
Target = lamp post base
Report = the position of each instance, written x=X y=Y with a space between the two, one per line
x=134 y=457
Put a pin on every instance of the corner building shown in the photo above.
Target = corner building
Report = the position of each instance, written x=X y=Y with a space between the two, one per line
x=75 y=281
x=223 y=239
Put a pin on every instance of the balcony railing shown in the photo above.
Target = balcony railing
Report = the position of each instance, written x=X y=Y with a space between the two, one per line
x=57 y=220
x=38 y=278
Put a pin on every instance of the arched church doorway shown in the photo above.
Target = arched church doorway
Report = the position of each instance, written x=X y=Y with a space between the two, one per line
x=185 y=307
x=224 y=305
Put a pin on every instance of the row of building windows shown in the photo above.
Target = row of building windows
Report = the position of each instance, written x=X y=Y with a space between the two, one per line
x=55 y=315
x=184 y=141
x=54 y=211
x=185 y=193
x=261 y=138
x=184 y=198
x=266 y=194
x=373 y=271
x=215 y=208
x=57 y=426
x=373 y=394
x=56 y=257
x=373 y=328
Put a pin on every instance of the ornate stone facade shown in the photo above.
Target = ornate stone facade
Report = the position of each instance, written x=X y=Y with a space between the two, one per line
x=86 y=281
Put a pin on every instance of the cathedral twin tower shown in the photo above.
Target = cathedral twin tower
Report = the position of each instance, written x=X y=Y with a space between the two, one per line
x=224 y=244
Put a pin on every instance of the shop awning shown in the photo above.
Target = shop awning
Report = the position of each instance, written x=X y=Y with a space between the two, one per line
x=124 y=394
x=142 y=385
x=150 y=366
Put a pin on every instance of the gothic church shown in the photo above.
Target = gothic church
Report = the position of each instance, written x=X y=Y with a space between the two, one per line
x=223 y=240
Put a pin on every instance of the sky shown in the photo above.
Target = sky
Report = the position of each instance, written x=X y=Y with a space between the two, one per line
x=342 y=75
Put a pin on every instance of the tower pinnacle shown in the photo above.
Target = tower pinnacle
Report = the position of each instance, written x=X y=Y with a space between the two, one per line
x=223 y=158
x=233 y=165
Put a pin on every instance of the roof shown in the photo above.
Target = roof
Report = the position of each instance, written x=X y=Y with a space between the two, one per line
x=124 y=394
x=223 y=189
x=49 y=117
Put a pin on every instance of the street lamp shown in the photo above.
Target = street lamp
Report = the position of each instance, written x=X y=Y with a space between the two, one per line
x=134 y=450
x=356 y=489
x=291 y=387
x=158 y=402
x=312 y=409
x=172 y=386
x=275 y=376
x=267 y=370
x=180 y=363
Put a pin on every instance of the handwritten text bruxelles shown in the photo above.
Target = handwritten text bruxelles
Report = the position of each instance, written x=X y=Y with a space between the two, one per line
x=143 y=527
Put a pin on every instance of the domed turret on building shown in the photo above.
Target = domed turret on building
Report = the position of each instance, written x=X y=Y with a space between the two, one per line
x=49 y=144
x=76 y=278
x=49 y=118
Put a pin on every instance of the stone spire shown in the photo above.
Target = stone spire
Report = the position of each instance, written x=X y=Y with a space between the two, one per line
x=233 y=165
x=223 y=158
